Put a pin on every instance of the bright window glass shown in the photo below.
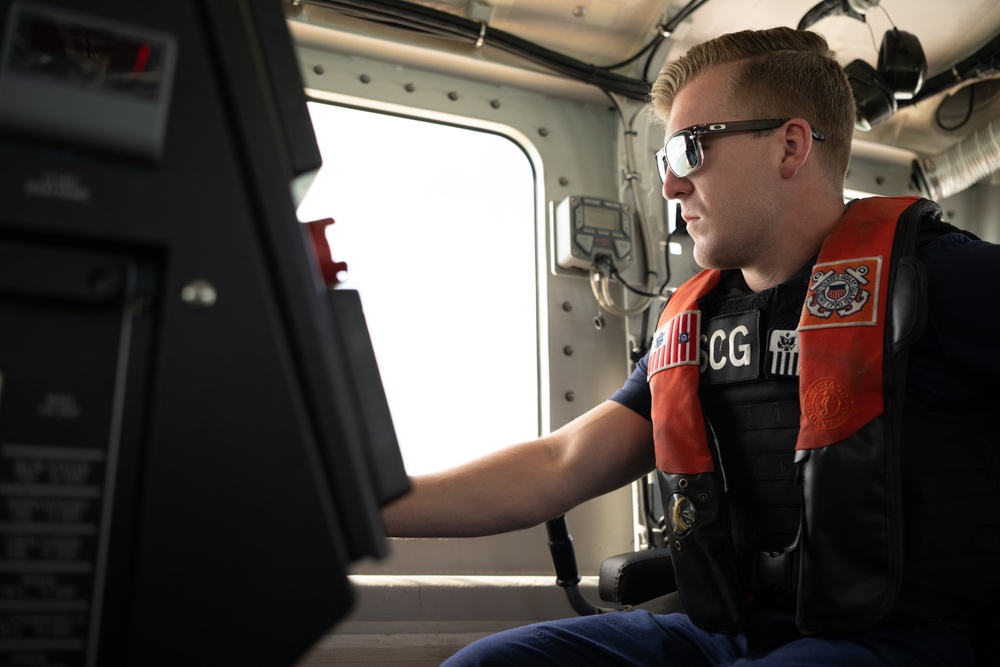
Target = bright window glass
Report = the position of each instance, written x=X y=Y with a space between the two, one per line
x=437 y=226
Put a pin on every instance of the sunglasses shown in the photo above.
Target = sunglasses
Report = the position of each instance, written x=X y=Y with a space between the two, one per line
x=682 y=153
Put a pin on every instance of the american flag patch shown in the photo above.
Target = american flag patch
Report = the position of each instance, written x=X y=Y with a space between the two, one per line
x=675 y=343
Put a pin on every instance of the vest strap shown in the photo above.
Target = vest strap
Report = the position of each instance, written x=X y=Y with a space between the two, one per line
x=676 y=349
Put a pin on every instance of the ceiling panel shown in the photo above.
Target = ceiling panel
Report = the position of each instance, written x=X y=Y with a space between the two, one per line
x=605 y=31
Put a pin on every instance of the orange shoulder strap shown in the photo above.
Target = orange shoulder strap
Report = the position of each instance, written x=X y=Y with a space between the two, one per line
x=842 y=329
x=673 y=371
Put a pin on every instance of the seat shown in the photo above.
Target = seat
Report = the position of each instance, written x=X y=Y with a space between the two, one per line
x=637 y=579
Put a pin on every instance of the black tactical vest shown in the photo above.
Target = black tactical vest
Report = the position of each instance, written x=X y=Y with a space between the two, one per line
x=753 y=508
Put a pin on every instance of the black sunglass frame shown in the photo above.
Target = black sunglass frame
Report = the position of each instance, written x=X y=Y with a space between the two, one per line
x=692 y=140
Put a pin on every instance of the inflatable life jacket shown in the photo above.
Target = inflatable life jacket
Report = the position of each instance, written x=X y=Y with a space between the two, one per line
x=860 y=314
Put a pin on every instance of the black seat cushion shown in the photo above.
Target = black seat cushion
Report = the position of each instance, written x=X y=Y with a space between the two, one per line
x=635 y=577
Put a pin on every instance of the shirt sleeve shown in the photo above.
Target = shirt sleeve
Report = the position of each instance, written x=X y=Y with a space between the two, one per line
x=634 y=394
x=956 y=361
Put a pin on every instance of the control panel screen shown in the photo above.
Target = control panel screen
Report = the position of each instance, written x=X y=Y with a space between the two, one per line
x=603 y=218
x=69 y=49
x=86 y=80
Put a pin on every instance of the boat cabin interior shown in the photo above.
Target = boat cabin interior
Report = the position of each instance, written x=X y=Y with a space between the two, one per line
x=250 y=248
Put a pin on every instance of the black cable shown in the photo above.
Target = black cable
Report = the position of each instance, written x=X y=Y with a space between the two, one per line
x=655 y=42
x=621 y=281
x=984 y=62
x=639 y=350
x=444 y=24
x=389 y=16
x=968 y=112
x=663 y=32
x=650 y=60
x=666 y=261
x=686 y=11
x=667 y=29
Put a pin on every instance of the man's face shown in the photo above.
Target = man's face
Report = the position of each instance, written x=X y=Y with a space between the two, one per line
x=728 y=202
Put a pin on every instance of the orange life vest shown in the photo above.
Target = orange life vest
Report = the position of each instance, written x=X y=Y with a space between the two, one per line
x=860 y=312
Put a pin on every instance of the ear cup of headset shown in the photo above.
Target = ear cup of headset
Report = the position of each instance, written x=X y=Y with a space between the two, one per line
x=874 y=99
x=901 y=63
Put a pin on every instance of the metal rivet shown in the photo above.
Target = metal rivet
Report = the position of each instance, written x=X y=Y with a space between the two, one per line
x=543 y=131
x=599 y=322
x=453 y=96
x=495 y=104
x=199 y=294
x=318 y=69
x=567 y=306
x=683 y=483
x=409 y=87
x=678 y=546
x=703 y=497
x=568 y=350
x=364 y=78
x=570 y=396
x=563 y=181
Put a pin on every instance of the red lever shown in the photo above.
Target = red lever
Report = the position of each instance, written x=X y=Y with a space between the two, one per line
x=327 y=267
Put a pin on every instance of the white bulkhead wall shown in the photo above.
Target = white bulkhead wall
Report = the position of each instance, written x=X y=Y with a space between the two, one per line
x=570 y=134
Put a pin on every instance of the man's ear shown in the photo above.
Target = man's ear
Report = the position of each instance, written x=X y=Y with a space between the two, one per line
x=798 y=139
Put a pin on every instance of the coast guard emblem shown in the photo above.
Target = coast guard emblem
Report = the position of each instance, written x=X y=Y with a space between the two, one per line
x=847 y=289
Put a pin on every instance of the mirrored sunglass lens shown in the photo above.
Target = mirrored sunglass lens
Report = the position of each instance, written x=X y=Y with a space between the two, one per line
x=661 y=164
x=682 y=154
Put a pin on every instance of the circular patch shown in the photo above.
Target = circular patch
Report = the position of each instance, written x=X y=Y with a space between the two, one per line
x=838 y=290
x=681 y=513
x=828 y=404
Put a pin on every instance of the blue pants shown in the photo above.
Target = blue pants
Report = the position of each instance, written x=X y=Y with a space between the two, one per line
x=642 y=639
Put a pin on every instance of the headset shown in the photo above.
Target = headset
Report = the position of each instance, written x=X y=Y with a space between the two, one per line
x=901 y=71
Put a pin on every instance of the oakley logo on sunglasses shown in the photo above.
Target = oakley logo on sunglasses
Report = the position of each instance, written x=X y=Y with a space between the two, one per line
x=683 y=154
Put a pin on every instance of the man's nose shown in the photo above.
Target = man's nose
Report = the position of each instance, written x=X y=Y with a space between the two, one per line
x=674 y=186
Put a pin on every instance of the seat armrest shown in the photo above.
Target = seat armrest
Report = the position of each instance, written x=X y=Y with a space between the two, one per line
x=635 y=577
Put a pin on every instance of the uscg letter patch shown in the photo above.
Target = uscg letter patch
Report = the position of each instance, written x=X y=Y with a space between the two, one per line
x=731 y=348
x=675 y=343
x=843 y=294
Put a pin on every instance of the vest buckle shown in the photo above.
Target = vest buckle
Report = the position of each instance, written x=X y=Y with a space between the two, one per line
x=775 y=571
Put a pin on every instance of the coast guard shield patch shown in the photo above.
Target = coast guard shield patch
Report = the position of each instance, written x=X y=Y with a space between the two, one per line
x=843 y=294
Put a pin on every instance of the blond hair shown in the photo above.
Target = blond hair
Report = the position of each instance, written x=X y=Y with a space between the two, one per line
x=777 y=73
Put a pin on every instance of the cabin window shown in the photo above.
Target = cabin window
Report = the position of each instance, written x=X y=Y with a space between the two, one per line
x=437 y=226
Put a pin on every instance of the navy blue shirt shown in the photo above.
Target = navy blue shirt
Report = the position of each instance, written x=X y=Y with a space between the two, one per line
x=955 y=364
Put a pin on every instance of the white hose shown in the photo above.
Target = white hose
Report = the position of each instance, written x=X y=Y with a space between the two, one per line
x=964 y=164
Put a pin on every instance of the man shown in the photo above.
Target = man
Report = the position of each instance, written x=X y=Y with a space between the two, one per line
x=784 y=474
